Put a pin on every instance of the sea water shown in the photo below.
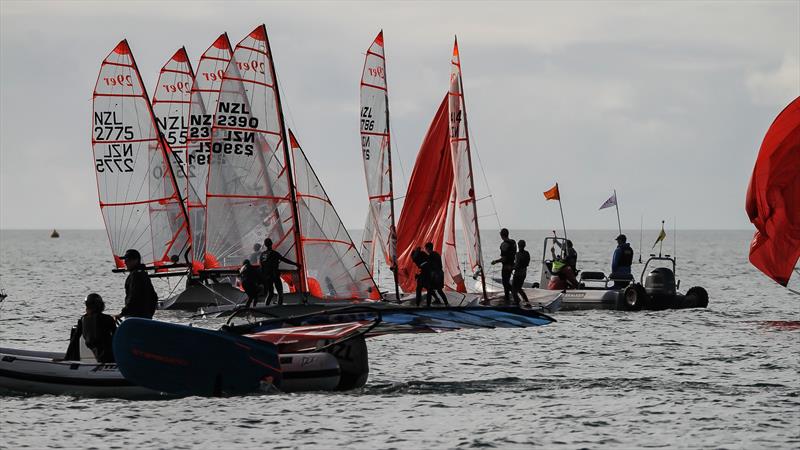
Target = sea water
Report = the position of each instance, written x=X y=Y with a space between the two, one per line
x=725 y=376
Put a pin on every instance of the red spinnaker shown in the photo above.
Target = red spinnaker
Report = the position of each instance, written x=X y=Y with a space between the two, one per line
x=773 y=198
x=424 y=214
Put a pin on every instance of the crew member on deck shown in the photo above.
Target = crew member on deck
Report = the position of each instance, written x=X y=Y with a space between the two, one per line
x=251 y=282
x=270 y=261
x=508 y=251
x=97 y=330
x=436 y=275
x=141 y=299
x=420 y=259
x=521 y=262
x=621 y=263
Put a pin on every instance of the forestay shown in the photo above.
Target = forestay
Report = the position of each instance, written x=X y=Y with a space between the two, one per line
x=137 y=190
x=171 y=101
x=249 y=195
x=334 y=268
x=462 y=166
x=204 y=96
x=376 y=150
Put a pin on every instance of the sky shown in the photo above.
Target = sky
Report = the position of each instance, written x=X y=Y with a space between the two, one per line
x=666 y=102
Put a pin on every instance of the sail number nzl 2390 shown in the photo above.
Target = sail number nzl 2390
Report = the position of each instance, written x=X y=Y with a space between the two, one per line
x=118 y=156
x=235 y=130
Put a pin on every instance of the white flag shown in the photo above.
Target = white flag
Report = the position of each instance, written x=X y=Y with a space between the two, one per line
x=612 y=201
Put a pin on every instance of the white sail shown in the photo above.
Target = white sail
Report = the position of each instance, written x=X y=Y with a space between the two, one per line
x=462 y=166
x=138 y=194
x=334 y=268
x=249 y=197
x=376 y=149
x=368 y=241
x=204 y=96
x=453 y=280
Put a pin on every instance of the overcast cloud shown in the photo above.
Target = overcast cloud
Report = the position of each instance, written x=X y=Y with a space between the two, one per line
x=666 y=102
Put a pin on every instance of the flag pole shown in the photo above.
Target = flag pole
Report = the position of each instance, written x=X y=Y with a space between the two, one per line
x=661 y=242
x=641 y=235
x=616 y=205
x=560 y=208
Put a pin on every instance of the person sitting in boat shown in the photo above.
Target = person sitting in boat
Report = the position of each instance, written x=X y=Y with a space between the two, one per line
x=141 y=299
x=521 y=262
x=270 y=261
x=508 y=251
x=621 y=263
x=420 y=259
x=435 y=277
x=251 y=282
x=97 y=330
x=564 y=266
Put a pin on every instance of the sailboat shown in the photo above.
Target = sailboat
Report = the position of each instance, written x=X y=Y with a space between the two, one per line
x=138 y=193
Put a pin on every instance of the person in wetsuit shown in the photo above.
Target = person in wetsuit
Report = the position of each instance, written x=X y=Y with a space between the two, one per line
x=436 y=275
x=270 y=261
x=564 y=264
x=251 y=282
x=141 y=299
x=521 y=262
x=97 y=330
x=508 y=251
x=420 y=259
x=621 y=263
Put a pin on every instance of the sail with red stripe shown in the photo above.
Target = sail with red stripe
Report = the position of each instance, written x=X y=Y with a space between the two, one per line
x=376 y=150
x=368 y=244
x=334 y=268
x=773 y=198
x=453 y=279
x=462 y=167
x=204 y=95
x=139 y=197
x=249 y=195
x=171 y=100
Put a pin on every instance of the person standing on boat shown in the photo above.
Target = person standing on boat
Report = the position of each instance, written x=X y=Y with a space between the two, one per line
x=521 y=262
x=436 y=275
x=564 y=266
x=621 y=263
x=251 y=282
x=270 y=261
x=508 y=251
x=420 y=259
x=141 y=299
x=97 y=330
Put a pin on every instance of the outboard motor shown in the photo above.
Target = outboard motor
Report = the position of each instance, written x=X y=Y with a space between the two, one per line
x=660 y=282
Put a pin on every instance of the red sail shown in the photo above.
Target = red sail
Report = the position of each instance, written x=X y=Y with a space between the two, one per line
x=773 y=198
x=424 y=213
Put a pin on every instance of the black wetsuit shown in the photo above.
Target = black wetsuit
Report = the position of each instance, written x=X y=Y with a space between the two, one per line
x=270 y=261
x=141 y=299
x=97 y=330
x=420 y=259
x=508 y=250
x=251 y=283
x=521 y=262
x=435 y=277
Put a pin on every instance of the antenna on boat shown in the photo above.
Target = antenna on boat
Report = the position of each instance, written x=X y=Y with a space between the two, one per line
x=641 y=234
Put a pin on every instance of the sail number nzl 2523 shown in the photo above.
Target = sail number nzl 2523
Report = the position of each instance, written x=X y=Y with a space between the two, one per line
x=118 y=156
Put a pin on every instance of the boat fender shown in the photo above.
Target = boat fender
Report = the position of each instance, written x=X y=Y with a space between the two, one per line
x=696 y=297
x=633 y=298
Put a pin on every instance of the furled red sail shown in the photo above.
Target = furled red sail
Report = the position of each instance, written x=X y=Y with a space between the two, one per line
x=204 y=96
x=462 y=166
x=249 y=195
x=334 y=268
x=376 y=149
x=138 y=193
x=773 y=198
x=171 y=101
x=424 y=212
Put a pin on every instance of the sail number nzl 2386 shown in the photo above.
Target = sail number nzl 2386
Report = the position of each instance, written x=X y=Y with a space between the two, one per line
x=118 y=156
x=235 y=130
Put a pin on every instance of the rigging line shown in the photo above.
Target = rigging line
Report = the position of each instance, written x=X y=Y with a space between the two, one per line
x=485 y=179
x=396 y=147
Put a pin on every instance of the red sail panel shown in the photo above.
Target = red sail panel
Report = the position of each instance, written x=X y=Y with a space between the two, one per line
x=424 y=213
x=249 y=194
x=138 y=194
x=204 y=96
x=773 y=198
x=334 y=268
x=171 y=101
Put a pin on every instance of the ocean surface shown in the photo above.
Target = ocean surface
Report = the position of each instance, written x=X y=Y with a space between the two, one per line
x=723 y=377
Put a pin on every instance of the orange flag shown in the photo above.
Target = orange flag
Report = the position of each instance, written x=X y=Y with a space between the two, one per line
x=552 y=194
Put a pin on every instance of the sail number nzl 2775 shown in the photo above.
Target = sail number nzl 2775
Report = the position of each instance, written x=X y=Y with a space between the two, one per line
x=235 y=130
x=118 y=156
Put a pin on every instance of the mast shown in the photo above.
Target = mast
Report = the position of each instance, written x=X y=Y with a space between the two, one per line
x=287 y=157
x=393 y=231
x=471 y=177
